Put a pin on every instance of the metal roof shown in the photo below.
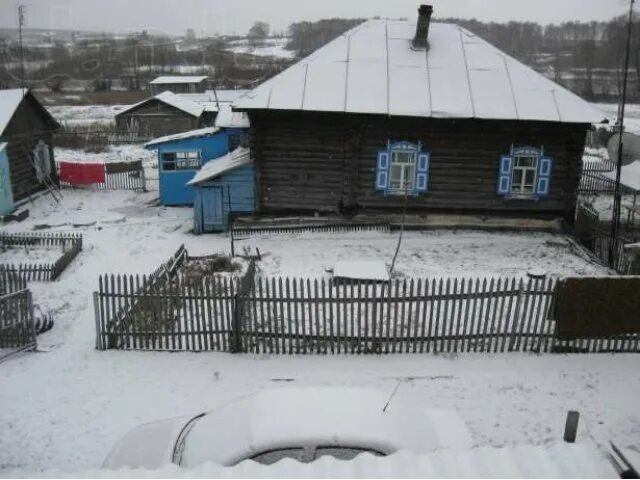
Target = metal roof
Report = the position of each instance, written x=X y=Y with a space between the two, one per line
x=9 y=102
x=201 y=132
x=373 y=69
x=218 y=166
x=174 y=100
x=178 y=79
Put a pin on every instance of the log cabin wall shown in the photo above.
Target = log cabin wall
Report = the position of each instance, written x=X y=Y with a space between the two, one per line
x=327 y=162
x=27 y=127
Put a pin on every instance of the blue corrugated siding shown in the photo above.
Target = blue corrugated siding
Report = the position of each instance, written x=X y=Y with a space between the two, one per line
x=6 y=192
x=173 y=188
x=237 y=191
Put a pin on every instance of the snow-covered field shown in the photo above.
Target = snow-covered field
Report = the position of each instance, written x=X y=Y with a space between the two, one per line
x=85 y=114
x=632 y=115
x=272 y=47
x=63 y=407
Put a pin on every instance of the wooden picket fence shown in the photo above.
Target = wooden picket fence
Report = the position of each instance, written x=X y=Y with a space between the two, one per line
x=240 y=230
x=132 y=179
x=302 y=316
x=69 y=244
x=17 y=328
x=596 y=236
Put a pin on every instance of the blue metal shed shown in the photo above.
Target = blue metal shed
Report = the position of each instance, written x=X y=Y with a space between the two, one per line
x=6 y=192
x=223 y=187
x=182 y=155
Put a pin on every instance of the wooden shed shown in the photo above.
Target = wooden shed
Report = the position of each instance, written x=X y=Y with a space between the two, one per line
x=223 y=187
x=430 y=115
x=164 y=114
x=182 y=155
x=179 y=84
x=27 y=158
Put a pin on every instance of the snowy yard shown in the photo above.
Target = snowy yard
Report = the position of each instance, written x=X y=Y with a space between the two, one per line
x=74 y=115
x=632 y=115
x=63 y=407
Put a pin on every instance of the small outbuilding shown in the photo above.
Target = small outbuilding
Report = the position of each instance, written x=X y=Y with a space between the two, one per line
x=223 y=188
x=182 y=155
x=422 y=114
x=168 y=113
x=164 y=114
x=179 y=84
x=26 y=147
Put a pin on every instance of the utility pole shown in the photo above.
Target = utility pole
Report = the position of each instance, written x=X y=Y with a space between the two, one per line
x=617 y=199
x=21 y=21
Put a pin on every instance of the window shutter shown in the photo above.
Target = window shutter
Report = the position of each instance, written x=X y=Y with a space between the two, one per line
x=504 y=179
x=382 y=173
x=544 y=176
x=422 y=177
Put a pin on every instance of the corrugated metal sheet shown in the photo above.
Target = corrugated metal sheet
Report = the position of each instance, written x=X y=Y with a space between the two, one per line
x=201 y=132
x=559 y=460
x=178 y=79
x=373 y=69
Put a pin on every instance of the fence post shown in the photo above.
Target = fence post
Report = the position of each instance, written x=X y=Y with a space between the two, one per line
x=96 y=309
x=239 y=307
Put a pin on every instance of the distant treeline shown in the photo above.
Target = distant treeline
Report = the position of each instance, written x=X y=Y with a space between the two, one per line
x=585 y=57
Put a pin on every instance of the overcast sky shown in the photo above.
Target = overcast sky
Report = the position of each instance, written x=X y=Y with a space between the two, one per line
x=236 y=16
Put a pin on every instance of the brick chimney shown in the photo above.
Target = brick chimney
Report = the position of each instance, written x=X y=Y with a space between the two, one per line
x=421 y=40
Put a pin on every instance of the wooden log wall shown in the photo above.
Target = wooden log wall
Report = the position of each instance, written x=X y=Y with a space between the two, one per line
x=27 y=127
x=327 y=162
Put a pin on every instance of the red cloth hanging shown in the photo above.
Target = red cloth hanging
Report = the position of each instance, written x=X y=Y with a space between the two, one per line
x=81 y=173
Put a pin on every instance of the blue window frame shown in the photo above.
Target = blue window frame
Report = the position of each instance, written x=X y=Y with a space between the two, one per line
x=525 y=173
x=402 y=168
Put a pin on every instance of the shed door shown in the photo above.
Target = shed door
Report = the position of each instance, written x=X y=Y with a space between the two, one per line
x=6 y=194
x=213 y=217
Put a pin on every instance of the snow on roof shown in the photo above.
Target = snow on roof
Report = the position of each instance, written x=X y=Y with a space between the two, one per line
x=555 y=460
x=201 y=132
x=9 y=102
x=373 y=69
x=210 y=99
x=178 y=79
x=176 y=101
x=216 y=167
x=227 y=118
x=629 y=176
x=321 y=416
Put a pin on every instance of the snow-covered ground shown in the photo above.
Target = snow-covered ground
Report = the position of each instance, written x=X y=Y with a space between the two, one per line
x=85 y=114
x=423 y=254
x=272 y=47
x=63 y=407
x=632 y=115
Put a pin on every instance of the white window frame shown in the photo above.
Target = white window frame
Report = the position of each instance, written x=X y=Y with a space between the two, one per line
x=183 y=160
x=523 y=188
x=408 y=171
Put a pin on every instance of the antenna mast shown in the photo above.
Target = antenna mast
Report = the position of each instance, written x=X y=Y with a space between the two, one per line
x=617 y=199
x=21 y=21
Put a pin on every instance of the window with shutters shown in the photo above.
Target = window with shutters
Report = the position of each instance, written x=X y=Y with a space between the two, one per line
x=402 y=168
x=525 y=173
